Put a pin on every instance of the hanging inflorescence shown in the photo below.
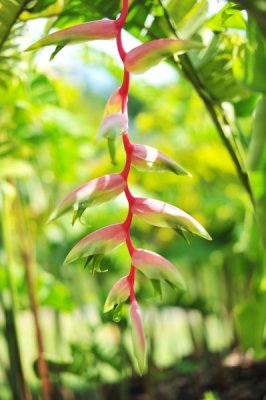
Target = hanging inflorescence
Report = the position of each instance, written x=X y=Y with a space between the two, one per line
x=104 y=188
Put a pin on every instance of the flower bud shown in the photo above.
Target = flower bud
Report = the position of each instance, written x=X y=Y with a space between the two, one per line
x=118 y=294
x=138 y=337
x=114 y=104
x=146 y=158
x=113 y=125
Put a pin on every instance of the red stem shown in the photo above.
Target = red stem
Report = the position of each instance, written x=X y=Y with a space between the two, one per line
x=120 y=46
x=127 y=145
x=131 y=281
x=120 y=22
x=124 y=91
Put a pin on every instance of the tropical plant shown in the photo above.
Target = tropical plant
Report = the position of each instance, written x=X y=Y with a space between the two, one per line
x=48 y=122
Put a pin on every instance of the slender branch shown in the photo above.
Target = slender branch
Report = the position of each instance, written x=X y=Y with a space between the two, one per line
x=27 y=255
x=213 y=109
x=9 y=302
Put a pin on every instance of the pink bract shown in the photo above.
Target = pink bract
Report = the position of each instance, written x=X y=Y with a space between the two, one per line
x=138 y=336
x=99 y=242
x=93 y=30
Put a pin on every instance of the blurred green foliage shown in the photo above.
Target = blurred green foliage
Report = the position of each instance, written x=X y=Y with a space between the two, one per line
x=49 y=122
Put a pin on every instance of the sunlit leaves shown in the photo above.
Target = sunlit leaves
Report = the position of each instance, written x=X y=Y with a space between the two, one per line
x=248 y=315
x=105 y=29
x=146 y=158
x=158 y=213
x=138 y=336
x=16 y=168
x=118 y=294
x=250 y=59
x=216 y=68
x=99 y=242
x=257 y=150
x=147 y=55
x=230 y=16
x=90 y=194
x=155 y=266
x=9 y=12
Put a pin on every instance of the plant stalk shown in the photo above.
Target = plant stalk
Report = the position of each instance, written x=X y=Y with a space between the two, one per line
x=8 y=299
x=215 y=111
x=27 y=255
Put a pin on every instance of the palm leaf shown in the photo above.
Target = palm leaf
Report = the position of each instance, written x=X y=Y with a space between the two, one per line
x=10 y=12
x=77 y=11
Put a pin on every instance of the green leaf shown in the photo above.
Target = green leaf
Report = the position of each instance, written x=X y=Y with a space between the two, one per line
x=56 y=51
x=216 y=68
x=230 y=16
x=257 y=151
x=193 y=20
x=9 y=13
x=95 y=263
x=157 y=287
x=12 y=167
x=179 y=9
x=250 y=318
x=112 y=150
x=118 y=313
x=42 y=5
x=181 y=233
x=250 y=60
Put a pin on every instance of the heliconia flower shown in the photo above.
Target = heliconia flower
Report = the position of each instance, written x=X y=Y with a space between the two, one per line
x=146 y=158
x=158 y=213
x=99 y=242
x=93 y=30
x=92 y=193
x=113 y=125
x=138 y=337
x=155 y=266
x=114 y=104
x=147 y=55
x=118 y=294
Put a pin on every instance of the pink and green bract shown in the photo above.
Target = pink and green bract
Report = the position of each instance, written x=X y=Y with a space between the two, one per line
x=102 y=189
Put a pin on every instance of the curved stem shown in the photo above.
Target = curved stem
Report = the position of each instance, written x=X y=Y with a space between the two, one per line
x=120 y=22
x=127 y=146
x=131 y=281
x=124 y=91
x=120 y=46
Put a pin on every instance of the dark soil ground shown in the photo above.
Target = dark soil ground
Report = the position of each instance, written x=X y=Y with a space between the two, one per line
x=191 y=379
x=242 y=382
